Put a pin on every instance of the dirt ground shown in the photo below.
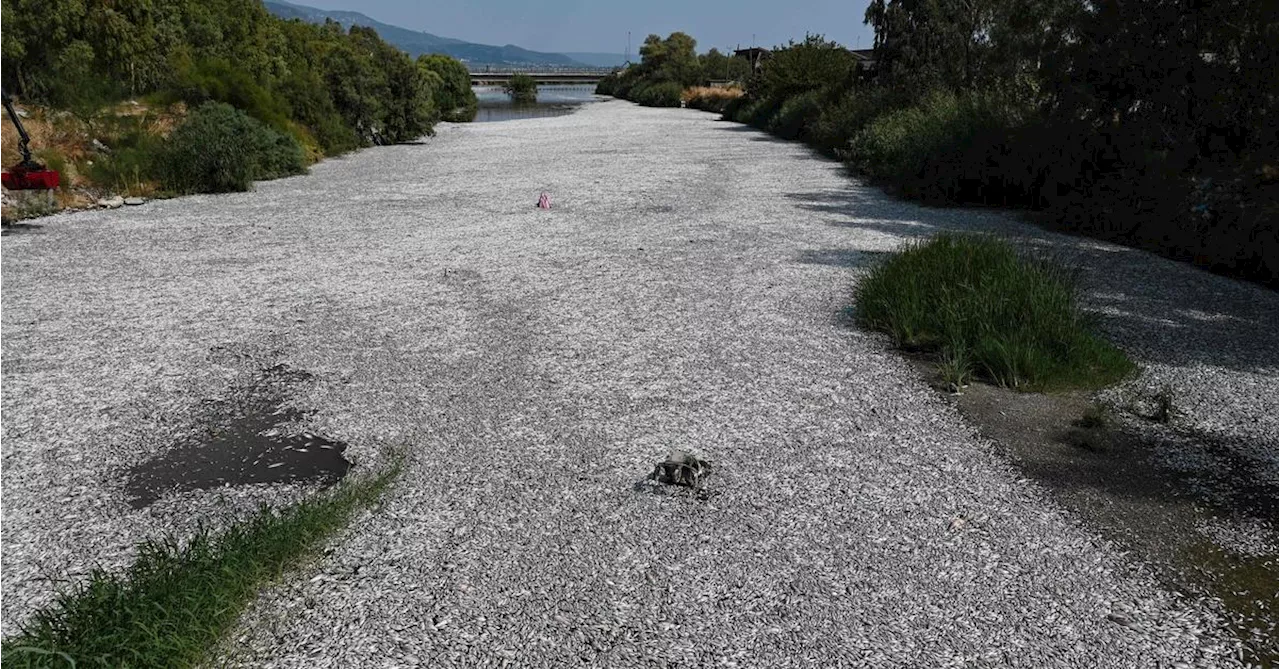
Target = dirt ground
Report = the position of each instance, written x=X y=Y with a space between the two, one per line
x=1095 y=462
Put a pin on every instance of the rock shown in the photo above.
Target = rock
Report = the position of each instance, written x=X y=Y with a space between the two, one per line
x=134 y=201
x=99 y=146
x=111 y=202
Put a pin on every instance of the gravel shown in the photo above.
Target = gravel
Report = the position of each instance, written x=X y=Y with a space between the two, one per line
x=685 y=292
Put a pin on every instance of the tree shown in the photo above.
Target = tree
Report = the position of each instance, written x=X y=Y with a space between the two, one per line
x=453 y=95
x=810 y=65
x=522 y=88
x=674 y=59
x=719 y=66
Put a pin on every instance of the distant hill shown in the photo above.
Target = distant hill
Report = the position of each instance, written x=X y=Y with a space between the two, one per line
x=416 y=42
x=598 y=59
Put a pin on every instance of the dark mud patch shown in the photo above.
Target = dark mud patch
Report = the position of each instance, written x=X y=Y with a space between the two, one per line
x=1109 y=472
x=249 y=438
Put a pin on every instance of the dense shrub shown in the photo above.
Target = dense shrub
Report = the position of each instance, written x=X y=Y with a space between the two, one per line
x=797 y=115
x=452 y=91
x=950 y=148
x=845 y=114
x=331 y=88
x=801 y=67
x=667 y=67
x=220 y=148
x=607 y=85
x=665 y=94
x=734 y=107
x=522 y=88
x=982 y=309
x=759 y=113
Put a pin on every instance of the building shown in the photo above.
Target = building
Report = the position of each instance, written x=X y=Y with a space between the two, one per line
x=866 y=58
x=755 y=55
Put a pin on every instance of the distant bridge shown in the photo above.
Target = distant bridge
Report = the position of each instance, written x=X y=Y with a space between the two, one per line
x=541 y=78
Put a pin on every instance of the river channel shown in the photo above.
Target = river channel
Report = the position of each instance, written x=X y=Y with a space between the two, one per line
x=496 y=105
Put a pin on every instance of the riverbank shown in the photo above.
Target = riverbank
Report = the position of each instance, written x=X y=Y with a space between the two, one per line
x=683 y=292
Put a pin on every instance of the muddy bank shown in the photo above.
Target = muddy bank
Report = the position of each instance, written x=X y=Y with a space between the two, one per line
x=1208 y=530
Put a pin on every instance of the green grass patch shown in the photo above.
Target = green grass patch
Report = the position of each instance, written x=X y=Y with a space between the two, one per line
x=983 y=309
x=178 y=600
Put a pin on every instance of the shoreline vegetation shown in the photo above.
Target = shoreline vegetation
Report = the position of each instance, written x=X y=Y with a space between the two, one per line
x=983 y=311
x=175 y=604
x=116 y=111
x=522 y=88
x=1138 y=124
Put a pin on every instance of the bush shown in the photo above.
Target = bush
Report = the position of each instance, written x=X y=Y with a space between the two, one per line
x=219 y=148
x=522 y=88
x=758 y=113
x=801 y=67
x=665 y=94
x=797 y=115
x=948 y=149
x=608 y=84
x=844 y=116
x=452 y=92
x=973 y=301
x=734 y=107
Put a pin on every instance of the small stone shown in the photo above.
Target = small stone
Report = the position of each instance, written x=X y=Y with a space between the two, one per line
x=99 y=146
x=111 y=202
x=134 y=201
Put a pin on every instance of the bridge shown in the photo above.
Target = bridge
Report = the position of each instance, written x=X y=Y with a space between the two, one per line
x=541 y=78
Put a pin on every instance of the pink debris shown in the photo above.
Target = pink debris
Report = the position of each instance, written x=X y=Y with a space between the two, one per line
x=544 y=201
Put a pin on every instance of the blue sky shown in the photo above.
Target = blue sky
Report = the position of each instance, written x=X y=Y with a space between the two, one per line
x=583 y=25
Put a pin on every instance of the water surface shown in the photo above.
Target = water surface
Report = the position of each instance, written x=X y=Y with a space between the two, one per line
x=495 y=105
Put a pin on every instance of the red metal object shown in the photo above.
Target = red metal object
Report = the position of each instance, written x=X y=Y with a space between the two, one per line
x=28 y=174
x=21 y=177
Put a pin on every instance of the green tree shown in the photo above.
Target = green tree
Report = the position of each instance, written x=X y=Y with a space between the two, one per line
x=522 y=88
x=453 y=94
x=673 y=59
x=810 y=65
x=719 y=66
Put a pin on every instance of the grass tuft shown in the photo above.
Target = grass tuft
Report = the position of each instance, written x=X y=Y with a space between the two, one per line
x=984 y=309
x=177 y=601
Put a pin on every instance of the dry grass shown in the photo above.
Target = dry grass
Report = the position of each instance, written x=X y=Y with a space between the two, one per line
x=711 y=93
x=709 y=98
x=64 y=142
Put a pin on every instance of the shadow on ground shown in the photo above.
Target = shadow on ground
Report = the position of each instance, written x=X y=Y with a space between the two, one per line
x=1106 y=474
x=1182 y=316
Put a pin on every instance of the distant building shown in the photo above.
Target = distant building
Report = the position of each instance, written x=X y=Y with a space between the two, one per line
x=755 y=55
x=866 y=58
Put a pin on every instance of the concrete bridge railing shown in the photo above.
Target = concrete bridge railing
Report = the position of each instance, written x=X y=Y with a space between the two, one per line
x=541 y=78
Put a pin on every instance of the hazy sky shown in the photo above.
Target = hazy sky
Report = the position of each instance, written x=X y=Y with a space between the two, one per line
x=584 y=25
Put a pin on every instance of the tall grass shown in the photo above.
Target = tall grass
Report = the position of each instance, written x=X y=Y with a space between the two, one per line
x=177 y=600
x=983 y=309
x=710 y=98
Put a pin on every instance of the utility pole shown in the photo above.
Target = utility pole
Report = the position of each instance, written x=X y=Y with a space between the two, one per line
x=627 y=56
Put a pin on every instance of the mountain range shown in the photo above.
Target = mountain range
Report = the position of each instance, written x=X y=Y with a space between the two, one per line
x=417 y=42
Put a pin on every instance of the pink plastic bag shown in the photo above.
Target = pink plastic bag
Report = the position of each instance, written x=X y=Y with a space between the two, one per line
x=544 y=201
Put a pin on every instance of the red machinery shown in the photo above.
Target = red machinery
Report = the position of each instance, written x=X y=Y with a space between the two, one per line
x=28 y=174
